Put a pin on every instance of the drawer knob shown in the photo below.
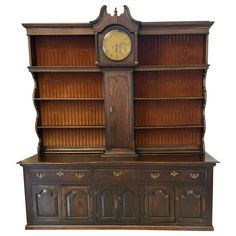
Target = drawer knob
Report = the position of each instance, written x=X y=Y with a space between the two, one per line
x=117 y=173
x=155 y=175
x=60 y=173
x=79 y=175
x=194 y=175
x=40 y=175
x=174 y=173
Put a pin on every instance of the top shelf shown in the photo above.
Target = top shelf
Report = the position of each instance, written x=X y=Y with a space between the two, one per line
x=95 y=69
x=150 y=28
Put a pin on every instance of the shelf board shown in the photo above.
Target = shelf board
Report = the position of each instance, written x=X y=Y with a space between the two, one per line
x=96 y=69
x=172 y=67
x=169 y=127
x=71 y=150
x=62 y=69
x=170 y=149
x=69 y=99
x=169 y=98
x=71 y=127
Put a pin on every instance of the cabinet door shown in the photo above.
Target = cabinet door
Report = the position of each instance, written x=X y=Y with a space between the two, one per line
x=77 y=205
x=190 y=204
x=128 y=198
x=158 y=204
x=46 y=203
x=107 y=204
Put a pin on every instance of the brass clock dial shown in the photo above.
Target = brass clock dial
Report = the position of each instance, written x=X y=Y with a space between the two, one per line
x=117 y=45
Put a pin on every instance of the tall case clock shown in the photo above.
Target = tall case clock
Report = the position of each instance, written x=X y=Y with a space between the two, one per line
x=117 y=55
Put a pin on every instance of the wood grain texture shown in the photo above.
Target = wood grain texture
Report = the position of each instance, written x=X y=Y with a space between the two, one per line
x=158 y=138
x=70 y=85
x=168 y=112
x=74 y=137
x=65 y=51
x=119 y=110
x=181 y=83
x=72 y=113
x=172 y=49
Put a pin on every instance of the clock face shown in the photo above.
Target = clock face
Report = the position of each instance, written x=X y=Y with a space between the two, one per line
x=117 y=45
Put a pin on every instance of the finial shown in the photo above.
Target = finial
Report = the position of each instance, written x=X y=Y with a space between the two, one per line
x=115 y=12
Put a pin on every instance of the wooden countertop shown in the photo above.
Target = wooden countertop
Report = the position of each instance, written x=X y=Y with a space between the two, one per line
x=92 y=159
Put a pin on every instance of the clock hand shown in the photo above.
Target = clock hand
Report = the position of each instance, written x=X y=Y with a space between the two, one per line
x=117 y=50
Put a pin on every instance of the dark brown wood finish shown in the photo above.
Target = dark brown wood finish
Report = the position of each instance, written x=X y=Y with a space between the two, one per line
x=119 y=113
x=46 y=201
x=190 y=204
x=78 y=204
x=158 y=203
x=90 y=191
x=121 y=143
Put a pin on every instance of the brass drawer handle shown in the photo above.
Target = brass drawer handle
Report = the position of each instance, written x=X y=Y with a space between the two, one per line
x=117 y=173
x=79 y=175
x=174 y=173
x=60 y=173
x=194 y=175
x=40 y=175
x=155 y=175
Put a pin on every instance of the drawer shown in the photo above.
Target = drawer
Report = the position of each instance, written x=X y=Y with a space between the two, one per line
x=124 y=176
x=81 y=176
x=175 y=175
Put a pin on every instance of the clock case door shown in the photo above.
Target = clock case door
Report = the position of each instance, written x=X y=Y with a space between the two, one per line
x=119 y=113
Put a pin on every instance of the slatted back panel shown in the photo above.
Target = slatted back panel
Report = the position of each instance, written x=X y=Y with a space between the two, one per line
x=65 y=50
x=168 y=112
x=71 y=85
x=159 y=84
x=89 y=113
x=166 y=103
x=172 y=49
x=171 y=137
x=74 y=138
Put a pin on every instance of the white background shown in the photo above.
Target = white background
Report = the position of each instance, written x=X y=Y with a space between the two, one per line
x=17 y=136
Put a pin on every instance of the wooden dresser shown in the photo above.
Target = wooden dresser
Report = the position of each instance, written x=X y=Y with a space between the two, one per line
x=120 y=119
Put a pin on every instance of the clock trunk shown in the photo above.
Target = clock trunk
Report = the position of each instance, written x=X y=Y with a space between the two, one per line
x=119 y=113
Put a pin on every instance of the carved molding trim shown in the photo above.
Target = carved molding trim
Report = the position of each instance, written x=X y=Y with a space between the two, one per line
x=37 y=120
x=105 y=19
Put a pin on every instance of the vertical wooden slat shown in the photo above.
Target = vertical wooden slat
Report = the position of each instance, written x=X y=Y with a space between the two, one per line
x=172 y=49
x=65 y=50
x=163 y=137
x=58 y=113
x=74 y=137
x=71 y=85
x=157 y=84
x=168 y=112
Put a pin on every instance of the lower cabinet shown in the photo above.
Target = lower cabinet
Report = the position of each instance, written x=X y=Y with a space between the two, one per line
x=102 y=197
x=118 y=204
